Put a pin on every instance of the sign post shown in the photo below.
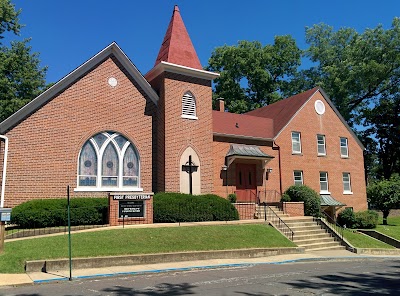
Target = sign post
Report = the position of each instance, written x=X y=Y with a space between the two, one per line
x=5 y=216
x=69 y=235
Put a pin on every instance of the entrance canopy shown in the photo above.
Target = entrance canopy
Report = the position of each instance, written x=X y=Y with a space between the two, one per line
x=238 y=151
x=329 y=201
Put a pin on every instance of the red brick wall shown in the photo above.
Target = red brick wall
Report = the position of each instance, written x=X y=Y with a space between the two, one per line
x=175 y=133
x=293 y=209
x=309 y=124
x=44 y=148
x=246 y=211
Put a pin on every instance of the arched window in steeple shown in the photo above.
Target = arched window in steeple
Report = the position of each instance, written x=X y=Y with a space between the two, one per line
x=189 y=106
x=108 y=161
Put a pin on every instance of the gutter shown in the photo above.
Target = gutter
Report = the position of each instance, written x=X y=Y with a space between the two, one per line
x=3 y=179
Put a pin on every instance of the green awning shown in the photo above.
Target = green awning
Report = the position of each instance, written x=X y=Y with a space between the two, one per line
x=237 y=151
x=246 y=150
x=329 y=201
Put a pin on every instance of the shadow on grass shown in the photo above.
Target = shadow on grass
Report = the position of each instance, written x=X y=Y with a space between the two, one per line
x=347 y=283
x=160 y=289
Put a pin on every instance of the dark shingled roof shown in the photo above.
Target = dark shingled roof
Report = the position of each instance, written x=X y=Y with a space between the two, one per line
x=327 y=200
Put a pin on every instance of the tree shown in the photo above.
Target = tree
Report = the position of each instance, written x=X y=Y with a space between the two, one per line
x=384 y=195
x=8 y=18
x=253 y=75
x=361 y=74
x=21 y=77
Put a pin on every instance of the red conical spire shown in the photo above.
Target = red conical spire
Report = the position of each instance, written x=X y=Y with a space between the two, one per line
x=177 y=48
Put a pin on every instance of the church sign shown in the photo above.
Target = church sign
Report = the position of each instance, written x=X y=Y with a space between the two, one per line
x=131 y=209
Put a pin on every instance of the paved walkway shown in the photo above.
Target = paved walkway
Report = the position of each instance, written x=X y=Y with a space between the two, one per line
x=63 y=275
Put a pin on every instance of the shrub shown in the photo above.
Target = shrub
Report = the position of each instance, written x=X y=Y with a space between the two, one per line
x=232 y=197
x=304 y=193
x=285 y=198
x=366 y=219
x=347 y=218
x=53 y=212
x=179 y=207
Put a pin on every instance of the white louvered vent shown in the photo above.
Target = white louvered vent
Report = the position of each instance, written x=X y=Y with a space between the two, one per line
x=189 y=106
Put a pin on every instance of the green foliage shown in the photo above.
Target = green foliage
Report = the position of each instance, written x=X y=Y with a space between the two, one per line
x=304 y=193
x=347 y=218
x=53 y=212
x=384 y=195
x=9 y=21
x=179 y=207
x=367 y=219
x=253 y=75
x=364 y=219
x=232 y=197
x=285 y=197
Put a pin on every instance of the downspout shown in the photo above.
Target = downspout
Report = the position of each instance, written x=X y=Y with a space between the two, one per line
x=3 y=179
x=276 y=147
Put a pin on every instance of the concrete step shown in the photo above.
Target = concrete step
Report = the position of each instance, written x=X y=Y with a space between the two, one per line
x=339 y=247
x=305 y=223
x=314 y=246
x=296 y=228
x=311 y=232
x=299 y=219
x=299 y=237
x=310 y=241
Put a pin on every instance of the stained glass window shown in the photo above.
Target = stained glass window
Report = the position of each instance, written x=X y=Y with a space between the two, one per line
x=108 y=159
x=87 y=165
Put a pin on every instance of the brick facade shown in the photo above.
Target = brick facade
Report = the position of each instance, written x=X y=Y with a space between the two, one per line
x=44 y=148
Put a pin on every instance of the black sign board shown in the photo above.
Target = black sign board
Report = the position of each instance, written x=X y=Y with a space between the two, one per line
x=131 y=208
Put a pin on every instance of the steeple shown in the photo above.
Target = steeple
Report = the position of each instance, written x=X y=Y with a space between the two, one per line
x=177 y=48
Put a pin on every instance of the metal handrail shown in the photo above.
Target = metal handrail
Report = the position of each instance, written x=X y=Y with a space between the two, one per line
x=276 y=197
x=334 y=227
x=282 y=226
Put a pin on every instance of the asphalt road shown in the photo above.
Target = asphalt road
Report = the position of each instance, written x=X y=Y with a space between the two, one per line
x=355 y=277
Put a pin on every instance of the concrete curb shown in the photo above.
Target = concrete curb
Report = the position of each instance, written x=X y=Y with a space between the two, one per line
x=99 y=262
x=392 y=252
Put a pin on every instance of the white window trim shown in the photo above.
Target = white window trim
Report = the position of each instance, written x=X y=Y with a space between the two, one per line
x=99 y=152
x=318 y=145
x=189 y=106
x=347 y=147
x=347 y=191
x=293 y=151
x=327 y=184
x=301 y=175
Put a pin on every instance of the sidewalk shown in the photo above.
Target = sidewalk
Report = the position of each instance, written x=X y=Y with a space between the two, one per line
x=63 y=275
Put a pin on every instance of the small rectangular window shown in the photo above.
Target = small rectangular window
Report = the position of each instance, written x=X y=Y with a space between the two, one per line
x=298 y=177
x=344 y=148
x=346 y=183
x=321 y=145
x=296 y=142
x=323 y=182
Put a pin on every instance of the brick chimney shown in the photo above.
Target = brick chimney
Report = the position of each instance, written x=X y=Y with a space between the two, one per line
x=221 y=105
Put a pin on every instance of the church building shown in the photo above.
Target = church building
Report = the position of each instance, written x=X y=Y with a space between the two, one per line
x=106 y=130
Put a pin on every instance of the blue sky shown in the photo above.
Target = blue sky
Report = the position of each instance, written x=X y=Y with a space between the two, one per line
x=66 y=33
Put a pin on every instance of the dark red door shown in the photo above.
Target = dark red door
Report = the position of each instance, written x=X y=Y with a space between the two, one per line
x=246 y=188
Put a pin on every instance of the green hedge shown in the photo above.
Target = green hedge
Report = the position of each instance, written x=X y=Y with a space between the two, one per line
x=53 y=212
x=178 y=207
x=312 y=202
x=363 y=220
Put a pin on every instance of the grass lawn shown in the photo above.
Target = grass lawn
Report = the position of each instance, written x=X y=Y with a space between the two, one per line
x=360 y=240
x=131 y=241
x=393 y=227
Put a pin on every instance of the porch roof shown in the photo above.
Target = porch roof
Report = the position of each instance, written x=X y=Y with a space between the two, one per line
x=327 y=201
x=246 y=152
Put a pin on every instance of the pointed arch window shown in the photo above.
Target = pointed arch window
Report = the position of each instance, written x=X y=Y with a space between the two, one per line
x=108 y=161
x=189 y=106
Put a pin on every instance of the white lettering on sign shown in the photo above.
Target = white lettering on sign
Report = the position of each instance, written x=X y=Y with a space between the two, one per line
x=132 y=197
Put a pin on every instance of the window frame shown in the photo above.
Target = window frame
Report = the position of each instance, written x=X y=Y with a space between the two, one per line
x=349 y=191
x=346 y=146
x=322 y=191
x=301 y=177
x=189 y=106
x=294 y=142
x=321 y=145
x=110 y=140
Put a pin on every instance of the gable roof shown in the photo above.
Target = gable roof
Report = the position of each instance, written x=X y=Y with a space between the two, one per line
x=112 y=50
x=177 y=47
x=282 y=112
x=242 y=126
